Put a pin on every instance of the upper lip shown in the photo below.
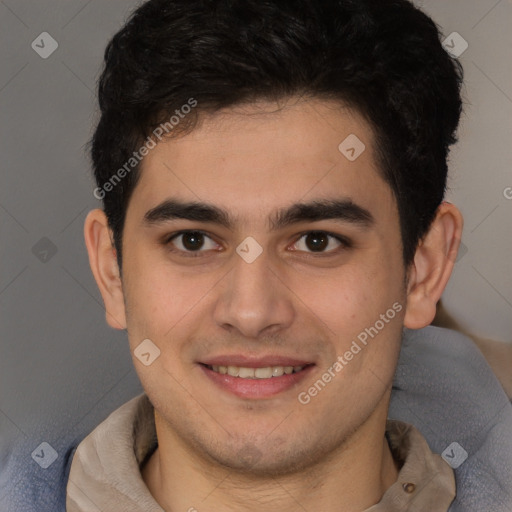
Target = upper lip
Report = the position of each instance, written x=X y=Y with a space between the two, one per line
x=248 y=361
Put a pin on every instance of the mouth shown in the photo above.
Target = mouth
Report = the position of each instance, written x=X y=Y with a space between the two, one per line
x=266 y=372
x=256 y=379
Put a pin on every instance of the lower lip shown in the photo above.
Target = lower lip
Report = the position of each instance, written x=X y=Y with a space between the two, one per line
x=256 y=388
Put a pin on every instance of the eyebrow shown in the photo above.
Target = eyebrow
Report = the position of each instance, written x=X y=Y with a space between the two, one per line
x=344 y=210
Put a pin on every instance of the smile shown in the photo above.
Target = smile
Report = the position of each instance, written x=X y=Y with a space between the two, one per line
x=256 y=373
x=258 y=381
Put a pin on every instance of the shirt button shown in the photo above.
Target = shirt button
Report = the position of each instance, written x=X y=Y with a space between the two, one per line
x=408 y=487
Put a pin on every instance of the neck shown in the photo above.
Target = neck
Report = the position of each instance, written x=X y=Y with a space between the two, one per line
x=352 y=478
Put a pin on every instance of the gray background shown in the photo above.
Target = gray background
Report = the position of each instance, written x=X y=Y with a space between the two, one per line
x=61 y=366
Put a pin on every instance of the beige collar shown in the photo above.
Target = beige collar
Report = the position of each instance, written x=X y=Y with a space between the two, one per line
x=105 y=471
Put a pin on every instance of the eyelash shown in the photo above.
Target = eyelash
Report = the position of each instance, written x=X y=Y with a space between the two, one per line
x=345 y=243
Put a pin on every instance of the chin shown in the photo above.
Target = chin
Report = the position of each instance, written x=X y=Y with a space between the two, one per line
x=266 y=460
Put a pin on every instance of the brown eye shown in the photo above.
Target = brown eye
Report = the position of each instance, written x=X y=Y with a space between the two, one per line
x=191 y=241
x=319 y=241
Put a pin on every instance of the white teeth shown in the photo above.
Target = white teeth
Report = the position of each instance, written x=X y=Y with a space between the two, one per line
x=246 y=373
x=233 y=371
x=263 y=373
x=256 y=373
x=277 y=371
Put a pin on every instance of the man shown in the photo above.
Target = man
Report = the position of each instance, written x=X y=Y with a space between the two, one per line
x=272 y=177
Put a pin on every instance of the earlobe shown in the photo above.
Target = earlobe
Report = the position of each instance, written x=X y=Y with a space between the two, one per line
x=432 y=266
x=103 y=262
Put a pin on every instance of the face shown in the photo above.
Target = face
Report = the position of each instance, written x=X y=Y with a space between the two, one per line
x=246 y=281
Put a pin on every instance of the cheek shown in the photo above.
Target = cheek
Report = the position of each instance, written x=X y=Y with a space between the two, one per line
x=351 y=298
x=166 y=307
x=160 y=294
x=155 y=301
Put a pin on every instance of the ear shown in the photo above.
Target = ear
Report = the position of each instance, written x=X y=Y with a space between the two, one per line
x=432 y=266
x=103 y=262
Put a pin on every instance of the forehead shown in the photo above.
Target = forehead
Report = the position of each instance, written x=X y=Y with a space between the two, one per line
x=254 y=157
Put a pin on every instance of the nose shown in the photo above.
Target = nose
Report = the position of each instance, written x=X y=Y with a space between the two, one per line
x=254 y=299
